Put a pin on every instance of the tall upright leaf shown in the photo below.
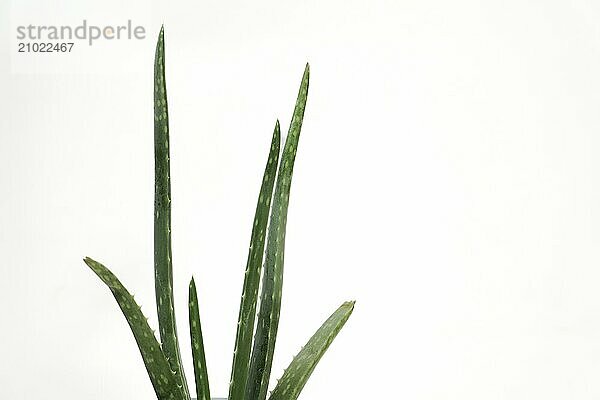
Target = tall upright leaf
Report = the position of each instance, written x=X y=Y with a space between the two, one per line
x=245 y=326
x=295 y=376
x=270 y=300
x=165 y=383
x=163 y=268
x=200 y=371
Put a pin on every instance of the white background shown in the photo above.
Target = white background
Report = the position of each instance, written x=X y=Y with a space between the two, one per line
x=446 y=179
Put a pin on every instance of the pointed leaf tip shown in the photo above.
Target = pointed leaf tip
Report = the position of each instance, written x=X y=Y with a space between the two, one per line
x=270 y=299
x=248 y=303
x=156 y=364
x=163 y=267
x=200 y=371
x=297 y=373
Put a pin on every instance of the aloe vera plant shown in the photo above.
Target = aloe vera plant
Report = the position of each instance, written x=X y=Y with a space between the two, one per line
x=256 y=329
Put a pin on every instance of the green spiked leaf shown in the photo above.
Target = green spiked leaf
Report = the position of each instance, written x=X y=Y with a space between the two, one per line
x=270 y=300
x=200 y=371
x=245 y=327
x=163 y=268
x=165 y=382
x=295 y=376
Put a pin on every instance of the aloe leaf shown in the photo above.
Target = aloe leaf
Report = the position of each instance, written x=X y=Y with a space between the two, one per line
x=295 y=376
x=165 y=383
x=200 y=371
x=163 y=268
x=245 y=327
x=270 y=300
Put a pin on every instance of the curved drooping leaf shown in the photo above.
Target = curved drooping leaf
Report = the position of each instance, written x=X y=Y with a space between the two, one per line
x=295 y=376
x=247 y=313
x=200 y=371
x=165 y=382
x=270 y=300
x=163 y=267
